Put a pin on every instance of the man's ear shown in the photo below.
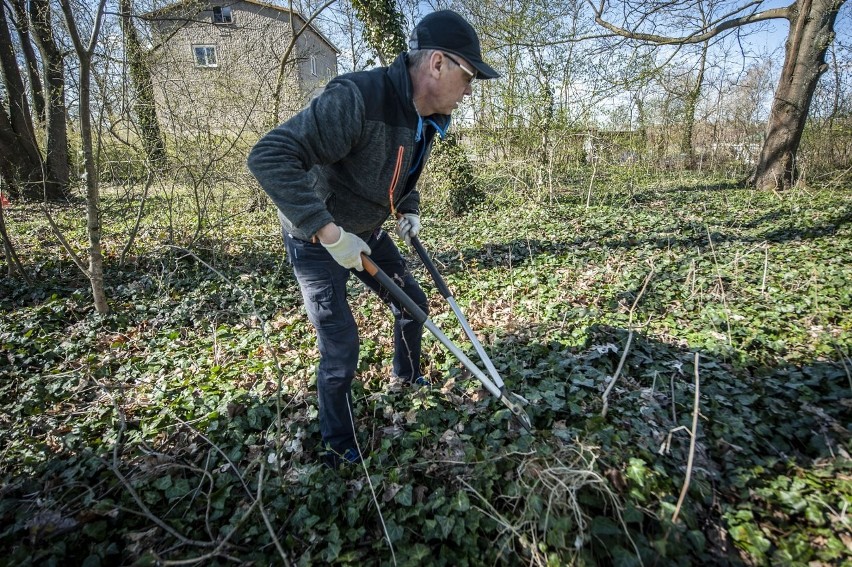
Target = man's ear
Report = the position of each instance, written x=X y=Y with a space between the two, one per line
x=437 y=62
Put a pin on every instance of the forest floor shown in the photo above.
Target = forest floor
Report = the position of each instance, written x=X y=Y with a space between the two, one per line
x=182 y=427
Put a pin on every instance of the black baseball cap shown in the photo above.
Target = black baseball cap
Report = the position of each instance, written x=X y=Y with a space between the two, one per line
x=445 y=30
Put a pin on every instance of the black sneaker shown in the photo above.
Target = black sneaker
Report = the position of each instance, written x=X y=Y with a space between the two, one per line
x=333 y=460
x=421 y=381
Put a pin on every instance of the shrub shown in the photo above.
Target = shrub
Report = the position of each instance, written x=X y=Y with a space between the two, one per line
x=452 y=177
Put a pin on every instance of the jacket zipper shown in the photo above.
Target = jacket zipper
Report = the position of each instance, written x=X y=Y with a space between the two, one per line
x=396 y=171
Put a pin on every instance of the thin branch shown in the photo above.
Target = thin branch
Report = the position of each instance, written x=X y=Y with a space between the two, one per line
x=765 y=269
x=370 y=482
x=691 y=458
x=129 y=487
x=626 y=347
x=721 y=285
x=279 y=82
x=11 y=256
x=262 y=326
x=149 y=180
x=218 y=551
x=74 y=257
x=595 y=160
x=218 y=450
x=617 y=373
x=703 y=34
x=266 y=521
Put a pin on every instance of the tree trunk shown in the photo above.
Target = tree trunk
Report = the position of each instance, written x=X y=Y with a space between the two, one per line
x=641 y=121
x=24 y=162
x=11 y=156
x=811 y=32
x=692 y=97
x=36 y=86
x=56 y=128
x=143 y=86
x=22 y=156
x=93 y=197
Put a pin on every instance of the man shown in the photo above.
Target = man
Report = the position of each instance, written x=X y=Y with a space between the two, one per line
x=337 y=170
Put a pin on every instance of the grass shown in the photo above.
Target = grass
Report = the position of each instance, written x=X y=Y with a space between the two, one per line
x=183 y=425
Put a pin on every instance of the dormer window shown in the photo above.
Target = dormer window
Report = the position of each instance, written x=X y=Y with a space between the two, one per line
x=222 y=15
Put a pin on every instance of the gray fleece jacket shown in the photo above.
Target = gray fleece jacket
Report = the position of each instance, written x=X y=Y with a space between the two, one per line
x=352 y=156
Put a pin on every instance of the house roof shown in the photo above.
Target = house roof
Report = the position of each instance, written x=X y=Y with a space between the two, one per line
x=203 y=5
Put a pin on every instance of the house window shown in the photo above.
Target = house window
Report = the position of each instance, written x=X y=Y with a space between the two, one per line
x=222 y=15
x=205 y=55
x=313 y=65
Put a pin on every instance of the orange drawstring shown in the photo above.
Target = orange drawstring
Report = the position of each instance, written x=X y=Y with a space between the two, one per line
x=395 y=179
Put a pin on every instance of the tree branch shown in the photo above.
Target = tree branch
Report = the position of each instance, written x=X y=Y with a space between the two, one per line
x=74 y=257
x=725 y=23
x=615 y=376
x=691 y=458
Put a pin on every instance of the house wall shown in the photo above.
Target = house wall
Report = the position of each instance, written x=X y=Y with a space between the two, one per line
x=236 y=95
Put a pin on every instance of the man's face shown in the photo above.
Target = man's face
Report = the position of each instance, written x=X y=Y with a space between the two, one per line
x=454 y=82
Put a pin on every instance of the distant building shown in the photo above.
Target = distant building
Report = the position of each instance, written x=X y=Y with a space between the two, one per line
x=216 y=65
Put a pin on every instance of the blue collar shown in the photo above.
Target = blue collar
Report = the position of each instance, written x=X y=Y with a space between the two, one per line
x=442 y=132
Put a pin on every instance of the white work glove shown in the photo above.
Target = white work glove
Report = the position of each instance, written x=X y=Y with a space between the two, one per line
x=408 y=226
x=347 y=250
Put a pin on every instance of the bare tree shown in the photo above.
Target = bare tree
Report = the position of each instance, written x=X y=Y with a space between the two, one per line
x=85 y=51
x=287 y=62
x=351 y=37
x=811 y=32
x=691 y=104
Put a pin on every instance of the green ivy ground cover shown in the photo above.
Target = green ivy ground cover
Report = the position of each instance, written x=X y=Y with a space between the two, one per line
x=183 y=426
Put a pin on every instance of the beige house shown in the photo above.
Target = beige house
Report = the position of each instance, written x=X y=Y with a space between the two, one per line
x=230 y=67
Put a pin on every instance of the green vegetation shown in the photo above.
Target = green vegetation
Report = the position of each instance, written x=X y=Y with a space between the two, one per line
x=183 y=425
x=454 y=183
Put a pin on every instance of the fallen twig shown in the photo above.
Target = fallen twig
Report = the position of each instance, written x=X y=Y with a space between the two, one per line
x=370 y=483
x=122 y=427
x=722 y=284
x=148 y=514
x=266 y=521
x=615 y=376
x=691 y=458
x=617 y=373
x=218 y=551
x=218 y=450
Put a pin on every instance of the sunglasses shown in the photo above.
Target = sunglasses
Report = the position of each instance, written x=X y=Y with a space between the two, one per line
x=470 y=74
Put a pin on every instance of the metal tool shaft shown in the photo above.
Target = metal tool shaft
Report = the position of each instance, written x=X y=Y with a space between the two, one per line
x=420 y=316
x=445 y=291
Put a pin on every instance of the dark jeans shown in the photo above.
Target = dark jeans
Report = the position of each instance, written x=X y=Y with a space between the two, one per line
x=323 y=284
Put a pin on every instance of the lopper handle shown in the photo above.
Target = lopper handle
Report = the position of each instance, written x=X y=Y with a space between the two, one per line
x=409 y=304
x=430 y=267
